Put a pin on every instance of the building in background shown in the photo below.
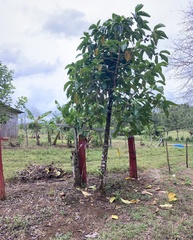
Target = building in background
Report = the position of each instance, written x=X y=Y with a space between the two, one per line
x=10 y=127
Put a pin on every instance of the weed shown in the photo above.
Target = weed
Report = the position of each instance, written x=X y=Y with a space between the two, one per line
x=46 y=212
x=19 y=222
x=188 y=181
x=125 y=231
x=62 y=236
x=51 y=192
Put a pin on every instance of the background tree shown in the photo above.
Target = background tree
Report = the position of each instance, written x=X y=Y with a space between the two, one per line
x=119 y=72
x=58 y=120
x=6 y=90
x=181 y=58
x=49 y=126
x=36 y=122
x=73 y=120
x=180 y=118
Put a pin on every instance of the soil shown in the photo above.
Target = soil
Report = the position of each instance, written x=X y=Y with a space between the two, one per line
x=47 y=207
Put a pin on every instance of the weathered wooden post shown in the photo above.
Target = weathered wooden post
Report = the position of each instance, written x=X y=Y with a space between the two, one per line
x=2 y=182
x=132 y=157
x=82 y=144
x=186 y=153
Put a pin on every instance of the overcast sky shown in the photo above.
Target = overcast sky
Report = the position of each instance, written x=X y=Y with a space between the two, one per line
x=39 y=38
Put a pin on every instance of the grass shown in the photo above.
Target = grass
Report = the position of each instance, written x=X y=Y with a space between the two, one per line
x=148 y=156
x=66 y=236
x=134 y=220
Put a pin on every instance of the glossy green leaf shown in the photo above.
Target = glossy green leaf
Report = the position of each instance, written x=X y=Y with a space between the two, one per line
x=160 y=25
x=142 y=13
x=138 y=7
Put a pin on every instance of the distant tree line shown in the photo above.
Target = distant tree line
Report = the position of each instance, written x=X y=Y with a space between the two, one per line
x=180 y=118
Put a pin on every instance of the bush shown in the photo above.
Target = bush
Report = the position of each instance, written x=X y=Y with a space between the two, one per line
x=188 y=139
x=182 y=138
x=96 y=139
x=69 y=136
x=170 y=138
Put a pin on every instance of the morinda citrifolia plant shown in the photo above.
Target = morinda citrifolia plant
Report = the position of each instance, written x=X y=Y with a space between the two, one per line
x=118 y=73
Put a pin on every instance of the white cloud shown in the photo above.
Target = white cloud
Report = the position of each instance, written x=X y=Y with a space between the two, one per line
x=68 y=23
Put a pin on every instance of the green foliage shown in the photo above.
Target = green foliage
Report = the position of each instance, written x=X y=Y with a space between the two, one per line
x=6 y=90
x=69 y=136
x=36 y=122
x=21 y=102
x=96 y=138
x=34 y=126
x=6 y=86
x=119 y=63
x=180 y=117
x=170 y=138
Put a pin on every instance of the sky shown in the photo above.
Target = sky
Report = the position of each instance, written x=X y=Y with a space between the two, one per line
x=39 y=38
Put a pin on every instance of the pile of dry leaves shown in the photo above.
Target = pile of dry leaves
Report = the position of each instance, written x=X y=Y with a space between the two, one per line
x=38 y=172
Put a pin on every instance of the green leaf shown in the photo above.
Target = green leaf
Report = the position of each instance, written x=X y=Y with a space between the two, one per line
x=160 y=25
x=66 y=85
x=45 y=114
x=92 y=26
x=161 y=34
x=30 y=115
x=142 y=13
x=162 y=76
x=138 y=7
x=58 y=105
x=164 y=57
x=165 y=51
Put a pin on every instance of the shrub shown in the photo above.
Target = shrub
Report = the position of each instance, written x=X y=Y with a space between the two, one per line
x=170 y=138
x=182 y=138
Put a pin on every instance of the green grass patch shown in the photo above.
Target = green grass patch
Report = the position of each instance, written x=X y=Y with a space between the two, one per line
x=148 y=156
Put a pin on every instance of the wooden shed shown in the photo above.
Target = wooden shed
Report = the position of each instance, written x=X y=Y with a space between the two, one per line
x=10 y=128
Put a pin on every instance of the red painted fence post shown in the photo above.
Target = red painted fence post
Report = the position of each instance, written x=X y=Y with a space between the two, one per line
x=82 y=144
x=2 y=182
x=132 y=158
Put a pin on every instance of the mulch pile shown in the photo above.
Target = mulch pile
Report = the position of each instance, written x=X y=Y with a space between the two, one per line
x=38 y=172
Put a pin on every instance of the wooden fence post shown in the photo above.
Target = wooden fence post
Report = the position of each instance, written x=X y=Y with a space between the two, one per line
x=186 y=153
x=132 y=158
x=2 y=182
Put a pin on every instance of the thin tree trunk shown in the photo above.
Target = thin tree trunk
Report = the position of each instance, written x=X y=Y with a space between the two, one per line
x=168 y=160
x=76 y=164
x=49 y=138
x=108 y=124
x=26 y=135
x=106 y=143
x=37 y=138
x=56 y=138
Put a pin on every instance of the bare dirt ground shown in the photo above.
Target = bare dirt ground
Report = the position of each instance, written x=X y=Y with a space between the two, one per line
x=47 y=208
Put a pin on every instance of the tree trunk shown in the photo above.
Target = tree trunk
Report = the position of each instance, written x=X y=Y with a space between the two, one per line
x=49 y=138
x=82 y=158
x=26 y=135
x=106 y=142
x=75 y=159
x=177 y=134
x=37 y=136
x=56 y=138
